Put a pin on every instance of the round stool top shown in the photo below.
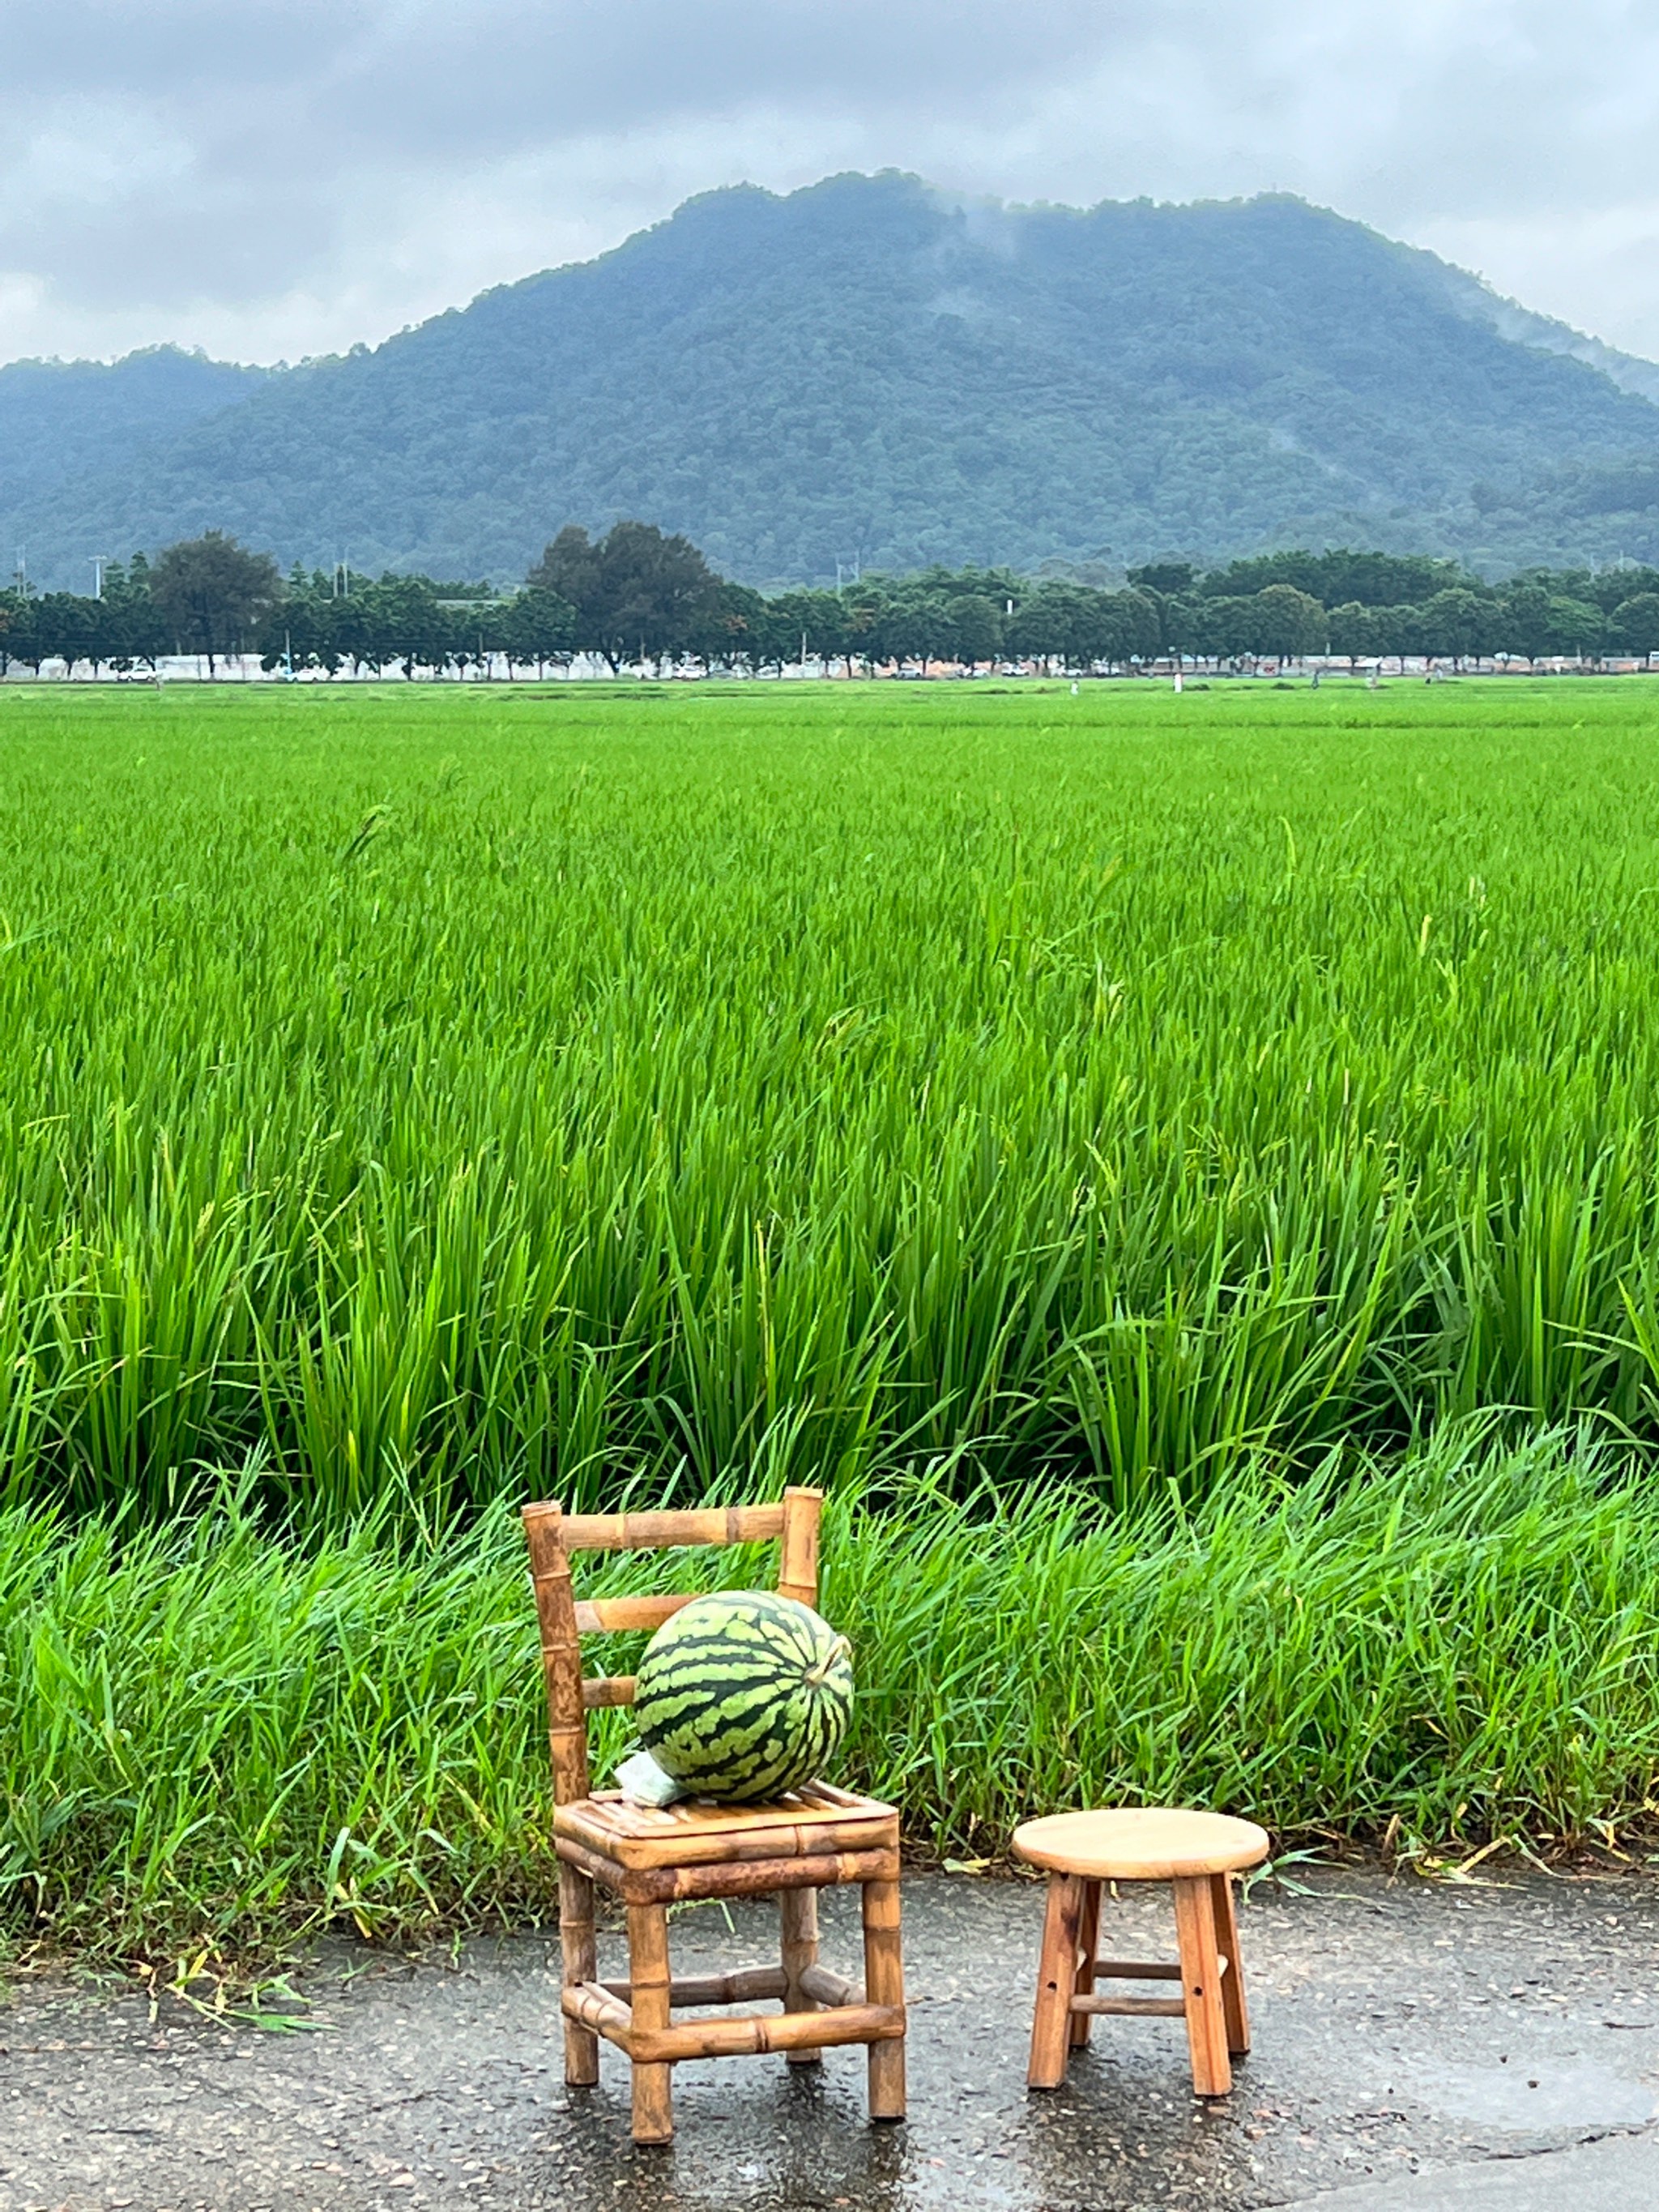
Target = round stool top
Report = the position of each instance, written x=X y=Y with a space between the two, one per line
x=1150 y=1843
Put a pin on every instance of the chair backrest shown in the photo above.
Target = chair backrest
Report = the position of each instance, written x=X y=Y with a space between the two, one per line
x=553 y=1535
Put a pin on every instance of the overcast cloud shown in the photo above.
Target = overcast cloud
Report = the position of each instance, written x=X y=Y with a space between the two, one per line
x=276 y=177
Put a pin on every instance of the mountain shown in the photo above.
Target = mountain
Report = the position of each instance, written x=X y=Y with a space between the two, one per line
x=868 y=370
x=67 y=420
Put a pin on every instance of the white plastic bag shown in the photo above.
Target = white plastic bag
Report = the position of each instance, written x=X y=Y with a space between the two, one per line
x=641 y=1779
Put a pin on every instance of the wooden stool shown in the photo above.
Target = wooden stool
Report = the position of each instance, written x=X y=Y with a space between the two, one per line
x=1197 y=1854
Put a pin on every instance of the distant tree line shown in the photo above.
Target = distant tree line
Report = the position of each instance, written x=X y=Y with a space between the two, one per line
x=1362 y=606
x=636 y=598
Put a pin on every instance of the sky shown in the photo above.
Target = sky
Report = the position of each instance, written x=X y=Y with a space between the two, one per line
x=273 y=179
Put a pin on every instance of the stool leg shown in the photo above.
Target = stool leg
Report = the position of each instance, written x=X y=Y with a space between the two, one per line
x=1088 y=1938
x=1051 y=2023
x=1232 y=1981
x=1200 y=1986
x=799 y=1910
x=648 y=1995
x=883 y=1984
x=581 y=1963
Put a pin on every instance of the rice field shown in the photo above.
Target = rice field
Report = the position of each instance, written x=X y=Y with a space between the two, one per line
x=1184 y=1171
x=460 y=1093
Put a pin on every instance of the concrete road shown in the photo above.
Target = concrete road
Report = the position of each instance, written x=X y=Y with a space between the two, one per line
x=1416 y=2047
x=1619 y=2173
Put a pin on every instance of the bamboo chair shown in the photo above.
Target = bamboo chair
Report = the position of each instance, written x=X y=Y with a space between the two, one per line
x=816 y=1838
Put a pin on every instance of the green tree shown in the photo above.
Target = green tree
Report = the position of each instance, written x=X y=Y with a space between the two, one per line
x=1576 y=627
x=22 y=638
x=1524 y=619
x=1286 y=623
x=214 y=594
x=864 y=619
x=1636 y=623
x=1610 y=587
x=1228 y=629
x=731 y=628
x=408 y=623
x=1137 y=626
x=70 y=629
x=920 y=626
x=302 y=629
x=1400 y=628
x=978 y=619
x=818 y=617
x=1460 y=624
x=1043 y=628
x=1374 y=580
x=1356 y=632
x=1181 y=622
x=635 y=591
x=1168 y=579
x=536 y=627
x=137 y=627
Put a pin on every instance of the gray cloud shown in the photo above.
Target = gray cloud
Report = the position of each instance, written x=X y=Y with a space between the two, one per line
x=283 y=176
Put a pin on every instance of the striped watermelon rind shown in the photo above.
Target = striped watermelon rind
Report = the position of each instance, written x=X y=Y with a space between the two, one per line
x=744 y=1695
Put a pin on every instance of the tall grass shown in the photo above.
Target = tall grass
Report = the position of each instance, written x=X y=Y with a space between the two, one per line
x=211 y=1733
x=478 y=1093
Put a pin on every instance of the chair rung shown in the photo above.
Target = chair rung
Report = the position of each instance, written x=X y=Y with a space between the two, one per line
x=593 y=2006
x=609 y=1616
x=825 y=1987
x=787 y=2031
x=600 y=1690
x=1142 y=1970
x=653 y=1532
x=1132 y=2008
x=748 y=1985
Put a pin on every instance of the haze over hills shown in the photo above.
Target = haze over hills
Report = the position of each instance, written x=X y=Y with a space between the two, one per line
x=867 y=371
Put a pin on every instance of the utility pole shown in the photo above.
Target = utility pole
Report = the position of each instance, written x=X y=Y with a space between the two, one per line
x=98 y=560
x=21 y=575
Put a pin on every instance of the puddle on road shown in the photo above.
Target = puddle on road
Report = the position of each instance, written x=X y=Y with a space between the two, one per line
x=1530 y=2097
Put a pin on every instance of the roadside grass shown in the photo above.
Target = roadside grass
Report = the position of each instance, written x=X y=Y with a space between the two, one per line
x=216 y=1738
x=480 y=1091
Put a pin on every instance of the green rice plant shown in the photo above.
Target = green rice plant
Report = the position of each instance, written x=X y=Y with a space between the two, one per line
x=214 y=1733
x=455 y=1092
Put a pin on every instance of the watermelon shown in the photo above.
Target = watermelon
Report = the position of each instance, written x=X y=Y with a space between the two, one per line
x=744 y=1695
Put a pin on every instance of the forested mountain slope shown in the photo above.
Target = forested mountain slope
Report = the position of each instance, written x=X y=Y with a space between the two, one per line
x=867 y=371
x=63 y=419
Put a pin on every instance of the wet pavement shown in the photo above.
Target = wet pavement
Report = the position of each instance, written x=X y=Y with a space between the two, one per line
x=1471 y=2036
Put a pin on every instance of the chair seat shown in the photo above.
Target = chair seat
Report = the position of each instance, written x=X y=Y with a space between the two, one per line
x=807 y=1823
x=1151 y=1842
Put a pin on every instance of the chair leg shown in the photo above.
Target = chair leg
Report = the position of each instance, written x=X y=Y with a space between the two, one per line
x=648 y=1977
x=1200 y=1986
x=883 y=1984
x=1232 y=1981
x=798 y=1911
x=1051 y=2024
x=1088 y=1939
x=581 y=1963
